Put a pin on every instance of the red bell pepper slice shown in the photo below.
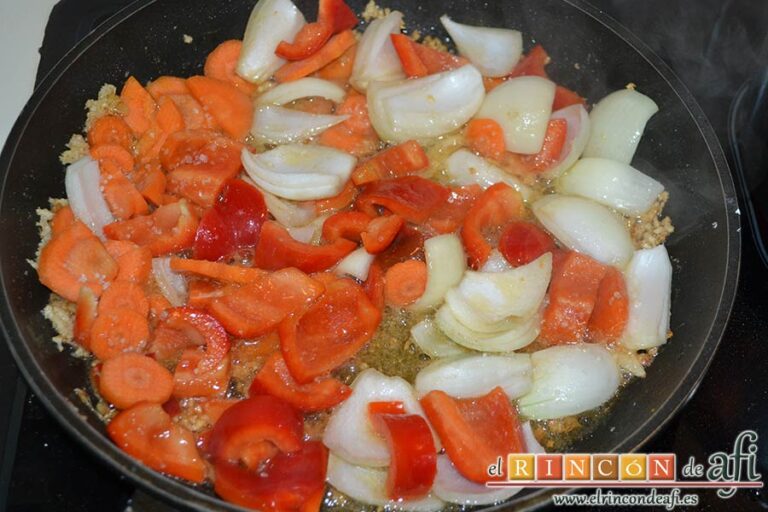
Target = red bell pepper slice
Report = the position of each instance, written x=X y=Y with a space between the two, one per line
x=611 y=311
x=532 y=64
x=413 y=198
x=331 y=331
x=190 y=381
x=551 y=149
x=475 y=432
x=522 y=242
x=497 y=206
x=386 y=408
x=254 y=309
x=420 y=60
x=147 y=433
x=565 y=97
x=277 y=249
x=256 y=429
x=347 y=225
x=374 y=286
x=402 y=160
x=450 y=216
x=275 y=379
x=285 y=483
x=572 y=296
x=333 y=16
x=233 y=223
x=413 y=457
x=408 y=245
x=381 y=232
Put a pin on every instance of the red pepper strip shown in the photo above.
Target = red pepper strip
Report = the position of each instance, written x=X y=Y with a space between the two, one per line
x=413 y=198
x=413 y=457
x=310 y=39
x=532 y=64
x=420 y=60
x=347 y=225
x=374 y=286
x=496 y=207
x=275 y=379
x=337 y=14
x=256 y=429
x=187 y=326
x=277 y=249
x=331 y=331
x=412 y=65
x=475 y=431
x=381 y=232
x=285 y=483
x=522 y=242
x=401 y=160
x=450 y=216
x=565 y=97
x=386 y=408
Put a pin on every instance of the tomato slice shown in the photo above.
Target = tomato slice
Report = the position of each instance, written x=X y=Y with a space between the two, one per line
x=275 y=379
x=496 y=207
x=189 y=381
x=331 y=331
x=171 y=228
x=475 y=432
x=413 y=457
x=285 y=483
x=256 y=429
x=411 y=197
x=147 y=433
x=187 y=326
x=349 y=225
x=233 y=223
x=522 y=242
x=381 y=232
x=257 y=308
x=277 y=249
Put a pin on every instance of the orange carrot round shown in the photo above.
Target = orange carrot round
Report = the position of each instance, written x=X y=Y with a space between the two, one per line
x=63 y=219
x=110 y=130
x=124 y=294
x=118 y=330
x=167 y=85
x=405 y=282
x=221 y=64
x=141 y=106
x=486 y=137
x=131 y=378
x=118 y=154
x=232 y=109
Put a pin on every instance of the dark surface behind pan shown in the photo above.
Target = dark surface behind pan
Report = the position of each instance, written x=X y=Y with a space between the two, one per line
x=591 y=54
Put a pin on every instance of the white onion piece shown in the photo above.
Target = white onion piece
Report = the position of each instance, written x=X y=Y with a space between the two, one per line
x=474 y=375
x=576 y=138
x=520 y=334
x=522 y=106
x=369 y=486
x=570 y=379
x=288 y=213
x=300 y=172
x=494 y=51
x=618 y=122
x=425 y=107
x=356 y=264
x=464 y=167
x=376 y=58
x=349 y=433
x=472 y=318
x=278 y=125
x=308 y=87
x=271 y=21
x=172 y=285
x=433 y=342
x=452 y=487
x=496 y=262
x=517 y=292
x=309 y=233
x=82 y=183
x=446 y=263
x=586 y=227
x=649 y=287
x=612 y=183
x=531 y=443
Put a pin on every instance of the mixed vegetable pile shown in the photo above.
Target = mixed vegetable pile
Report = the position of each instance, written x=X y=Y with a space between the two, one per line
x=232 y=242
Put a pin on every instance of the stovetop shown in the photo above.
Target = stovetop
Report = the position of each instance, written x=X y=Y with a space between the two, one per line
x=720 y=47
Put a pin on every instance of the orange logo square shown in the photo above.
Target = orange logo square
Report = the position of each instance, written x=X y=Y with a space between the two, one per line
x=605 y=467
x=549 y=467
x=662 y=466
x=577 y=466
x=632 y=466
x=521 y=466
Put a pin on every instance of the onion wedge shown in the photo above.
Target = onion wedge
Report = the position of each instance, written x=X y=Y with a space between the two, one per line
x=446 y=263
x=649 y=286
x=521 y=333
x=82 y=183
x=302 y=88
x=576 y=137
x=433 y=342
x=464 y=167
x=172 y=285
x=376 y=58
x=356 y=264
x=273 y=124
x=494 y=51
x=452 y=487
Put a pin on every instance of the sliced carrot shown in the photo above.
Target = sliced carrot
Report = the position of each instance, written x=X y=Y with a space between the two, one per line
x=347 y=225
x=332 y=50
x=122 y=196
x=204 y=149
x=532 y=64
x=199 y=185
x=119 y=155
x=130 y=378
x=340 y=69
x=195 y=116
x=381 y=232
x=62 y=220
x=124 y=295
x=170 y=228
x=609 y=317
x=431 y=61
x=232 y=109
x=200 y=292
x=406 y=51
x=337 y=202
x=393 y=407
x=405 y=282
x=218 y=271
x=189 y=381
x=75 y=258
x=85 y=315
x=404 y=159
x=166 y=86
x=490 y=83
x=110 y=130
x=117 y=331
x=158 y=304
x=150 y=181
x=221 y=64
x=169 y=117
x=486 y=137
x=141 y=106
x=134 y=262
x=341 y=138
x=554 y=141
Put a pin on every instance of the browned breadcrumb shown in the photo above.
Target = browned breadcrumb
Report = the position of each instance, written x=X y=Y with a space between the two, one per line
x=372 y=11
x=187 y=39
x=192 y=416
x=77 y=148
x=96 y=404
x=247 y=359
x=630 y=361
x=434 y=43
x=61 y=313
x=651 y=229
x=107 y=102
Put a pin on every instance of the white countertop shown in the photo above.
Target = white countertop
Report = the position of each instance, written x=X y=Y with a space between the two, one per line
x=22 y=25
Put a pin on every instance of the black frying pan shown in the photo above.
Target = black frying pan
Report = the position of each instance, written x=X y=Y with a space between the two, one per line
x=592 y=54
